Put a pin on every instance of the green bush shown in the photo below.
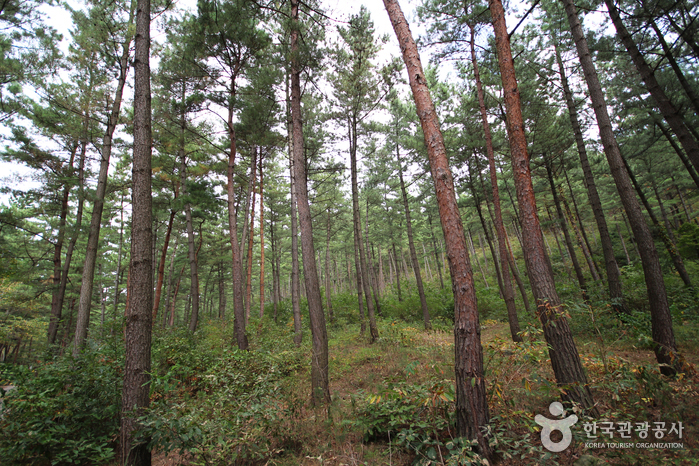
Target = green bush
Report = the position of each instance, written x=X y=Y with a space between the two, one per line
x=232 y=410
x=418 y=418
x=64 y=412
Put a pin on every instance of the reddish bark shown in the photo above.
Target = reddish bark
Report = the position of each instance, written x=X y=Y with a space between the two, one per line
x=565 y=359
x=507 y=290
x=472 y=415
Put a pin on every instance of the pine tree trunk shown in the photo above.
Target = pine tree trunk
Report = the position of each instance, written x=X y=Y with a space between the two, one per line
x=565 y=359
x=360 y=288
x=171 y=322
x=475 y=256
x=472 y=414
x=251 y=234
x=588 y=252
x=583 y=244
x=668 y=110
x=193 y=266
x=236 y=266
x=411 y=245
x=661 y=320
x=623 y=245
x=262 y=241
x=328 y=299
x=436 y=255
x=275 y=277
x=678 y=150
x=397 y=268
x=371 y=271
x=356 y=216
x=221 y=293
x=566 y=235
x=667 y=241
x=119 y=268
x=161 y=266
x=506 y=283
x=676 y=68
x=295 y=279
x=57 y=254
x=88 y=276
x=320 y=392
x=137 y=327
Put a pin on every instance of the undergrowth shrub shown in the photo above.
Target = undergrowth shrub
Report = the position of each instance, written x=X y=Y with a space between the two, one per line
x=63 y=412
x=235 y=410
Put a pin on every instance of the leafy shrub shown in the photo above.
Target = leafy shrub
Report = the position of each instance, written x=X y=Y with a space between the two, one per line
x=232 y=411
x=64 y=412
x=416 y=417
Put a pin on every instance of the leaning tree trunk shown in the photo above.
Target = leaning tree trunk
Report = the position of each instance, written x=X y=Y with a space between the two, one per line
x=507 y=290
x=88 y=276
x=565 y=360
x=566 y=234
x=320 y=391
x=661 y=320
x=669 y=111
x=137 y=323
x=472 y=415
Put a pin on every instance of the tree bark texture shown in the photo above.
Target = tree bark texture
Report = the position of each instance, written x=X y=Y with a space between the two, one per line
x=472 y=414
x=320 y=391
x=507 y=290
x=137 y=325
x=565 y=359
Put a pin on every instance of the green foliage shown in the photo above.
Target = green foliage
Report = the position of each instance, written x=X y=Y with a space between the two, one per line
x=417 y=417
x=63 y=412
x=688 y=241
x=220 y=405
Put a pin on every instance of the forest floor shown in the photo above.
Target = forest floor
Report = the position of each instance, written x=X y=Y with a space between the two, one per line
x=391 y=403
